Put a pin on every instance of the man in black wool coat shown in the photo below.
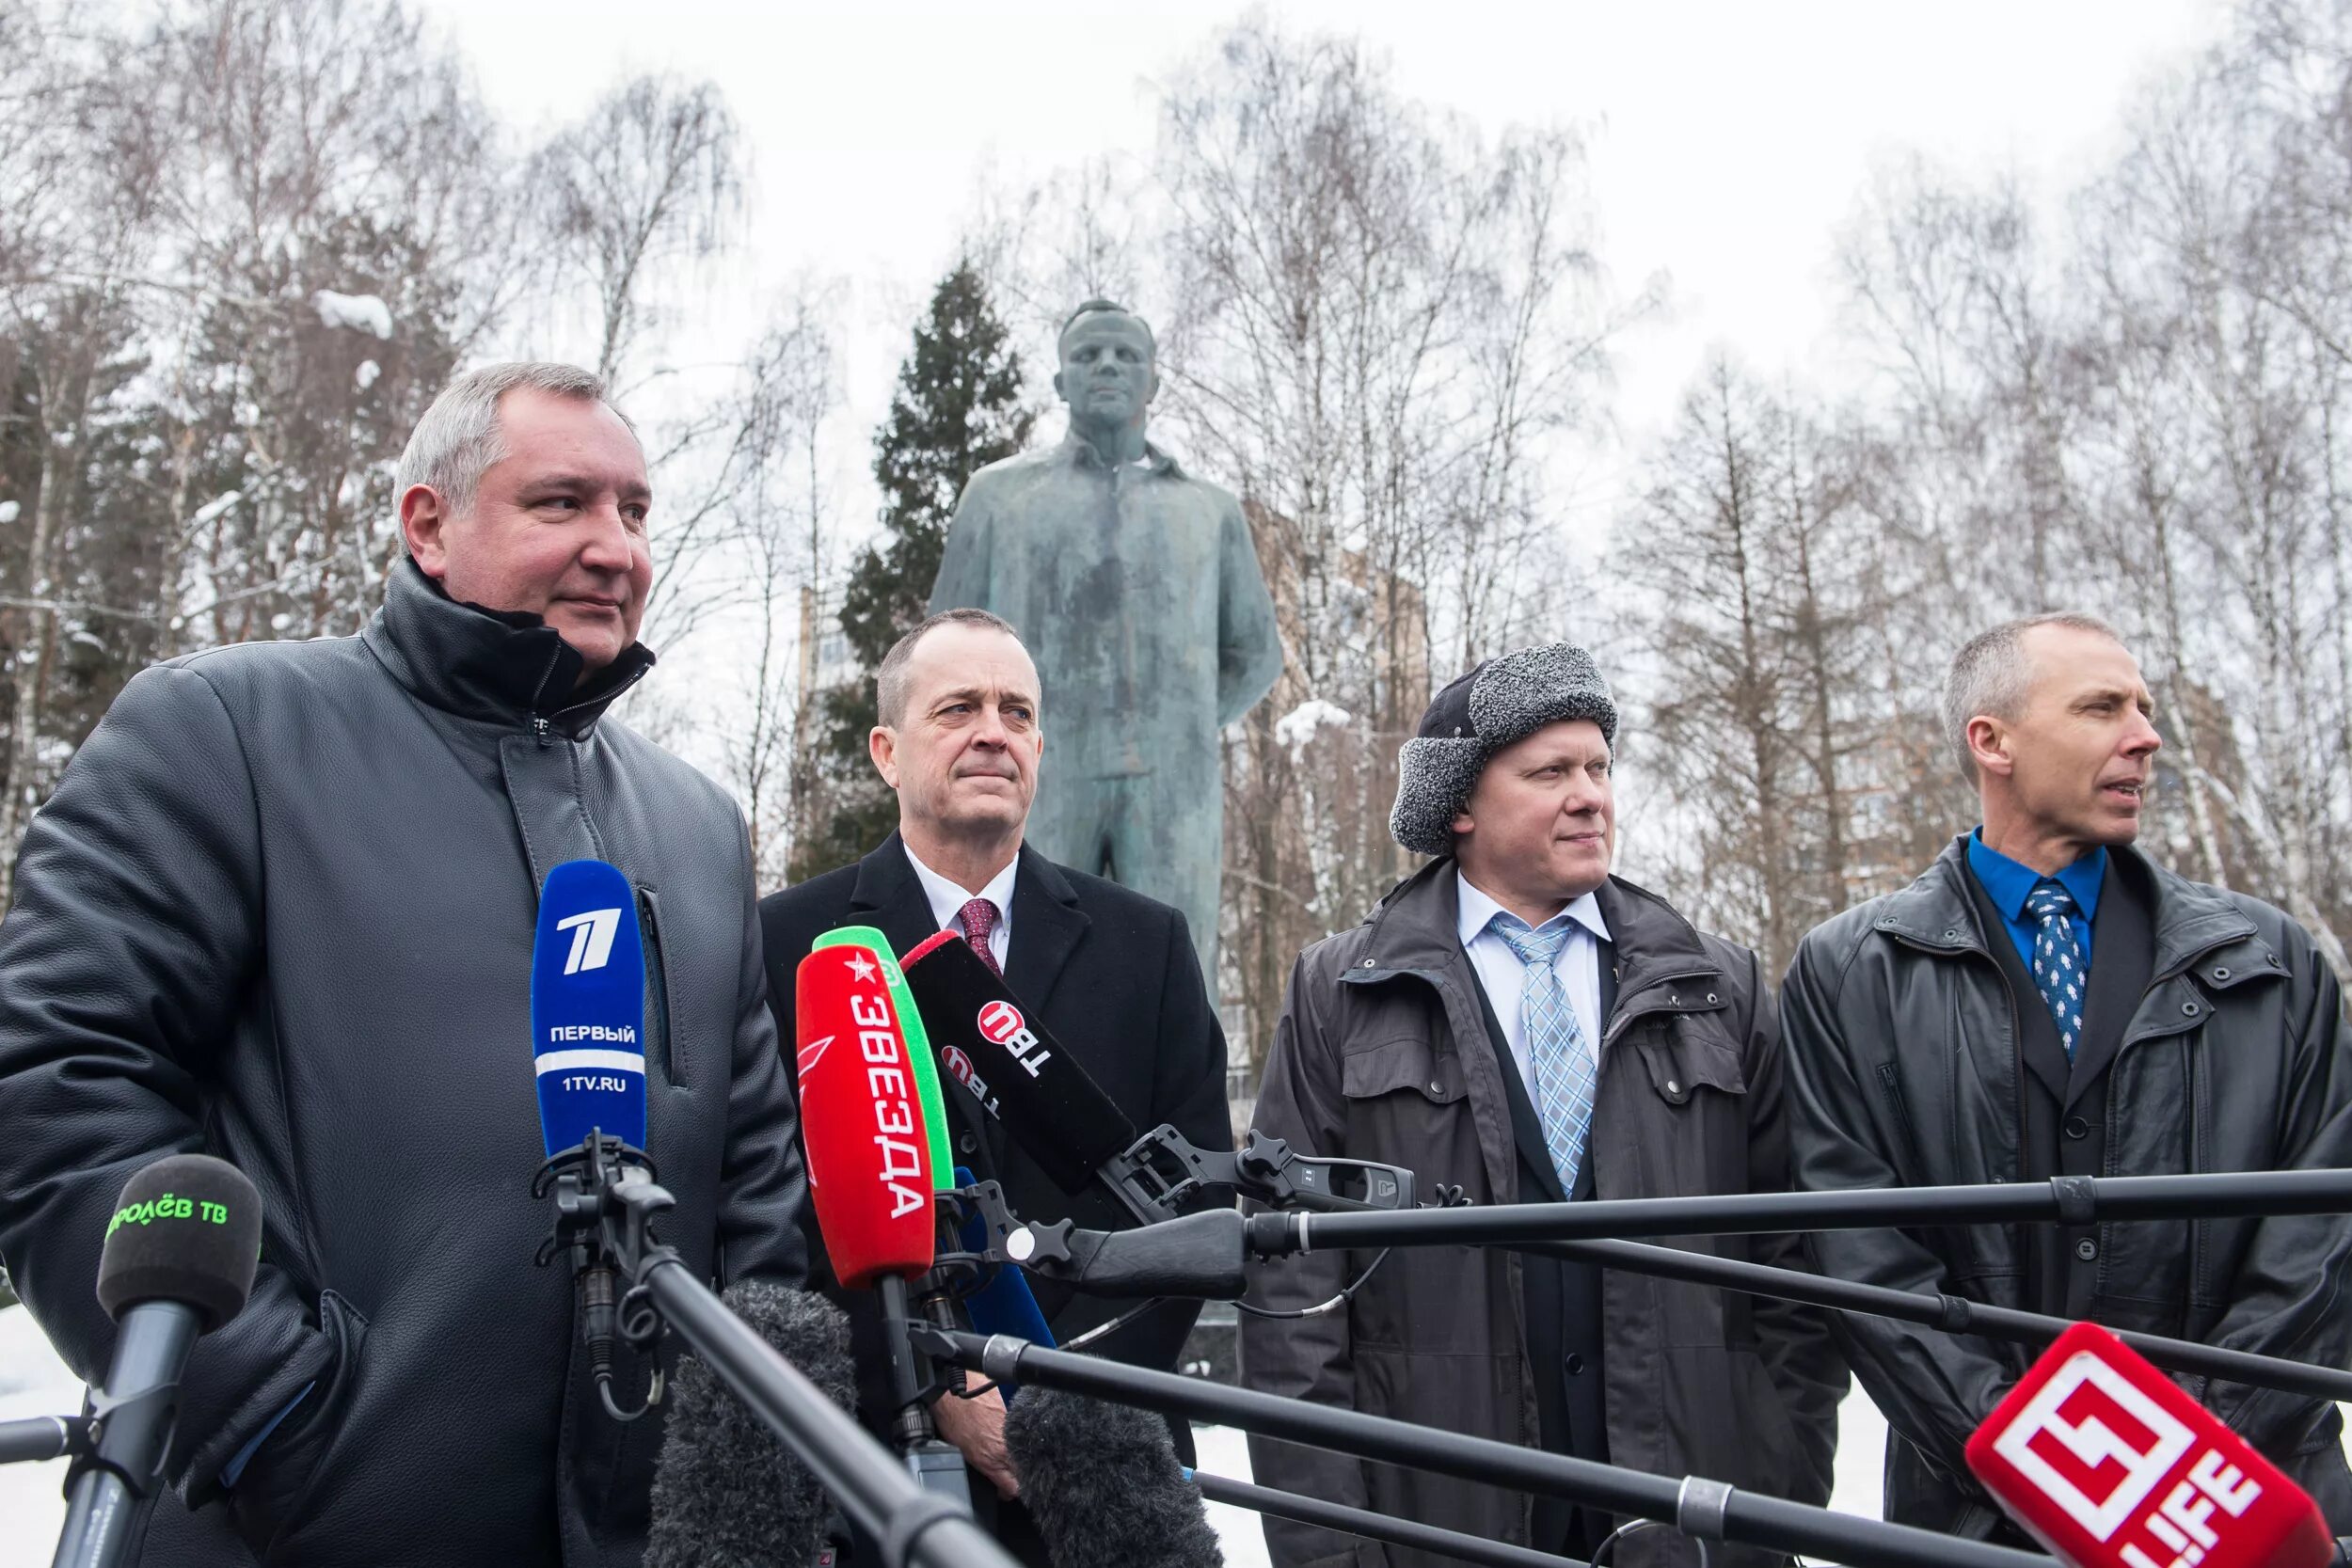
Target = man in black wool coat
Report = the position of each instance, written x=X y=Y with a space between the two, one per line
x=1111 y=974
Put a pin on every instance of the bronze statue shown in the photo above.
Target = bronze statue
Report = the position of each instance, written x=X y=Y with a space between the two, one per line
x=1138 y=591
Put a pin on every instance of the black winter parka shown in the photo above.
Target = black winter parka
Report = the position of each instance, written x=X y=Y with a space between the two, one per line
x=281 y=910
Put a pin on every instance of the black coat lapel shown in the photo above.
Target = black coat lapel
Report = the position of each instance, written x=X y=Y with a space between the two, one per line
x=2037 y=1037
x=1047 y=927
x=2122 y=956
x=889 y=895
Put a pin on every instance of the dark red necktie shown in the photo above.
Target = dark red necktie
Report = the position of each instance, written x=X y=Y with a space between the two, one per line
x=979 y=919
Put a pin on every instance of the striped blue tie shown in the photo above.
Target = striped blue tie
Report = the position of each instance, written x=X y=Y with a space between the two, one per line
x=1565 y=1067
x=2059 y=968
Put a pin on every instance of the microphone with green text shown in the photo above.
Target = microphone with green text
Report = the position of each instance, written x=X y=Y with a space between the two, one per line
x=179 y=1261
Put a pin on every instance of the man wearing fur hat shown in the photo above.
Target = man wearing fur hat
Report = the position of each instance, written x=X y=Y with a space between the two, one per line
x=1514 y=1021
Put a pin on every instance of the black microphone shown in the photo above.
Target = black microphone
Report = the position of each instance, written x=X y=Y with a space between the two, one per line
x=178 y=1263
x=1021 y=1075
x=1202 y=1257
x=726 y=1490
x=1103 y=1483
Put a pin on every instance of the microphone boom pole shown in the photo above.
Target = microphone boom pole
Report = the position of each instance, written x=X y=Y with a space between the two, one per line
x=2065 y=1200
x=1363 y=1522
x=1704 y=1509
x=1952 y=1314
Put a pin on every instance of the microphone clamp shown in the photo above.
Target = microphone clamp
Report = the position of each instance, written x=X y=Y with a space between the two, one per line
x=1163 y=1171
x=606 y=1200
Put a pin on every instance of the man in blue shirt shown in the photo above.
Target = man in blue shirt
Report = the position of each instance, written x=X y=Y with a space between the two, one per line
x=2046 y=1000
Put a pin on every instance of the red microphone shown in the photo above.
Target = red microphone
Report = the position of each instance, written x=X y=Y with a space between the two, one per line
x=2108 y=1464
x=862 y=1119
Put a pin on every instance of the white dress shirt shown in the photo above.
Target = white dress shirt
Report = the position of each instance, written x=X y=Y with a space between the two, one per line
x=947 y=901
x=1505 y=975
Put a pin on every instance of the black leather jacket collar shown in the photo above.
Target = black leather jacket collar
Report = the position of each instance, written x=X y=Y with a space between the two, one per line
x=495 y=666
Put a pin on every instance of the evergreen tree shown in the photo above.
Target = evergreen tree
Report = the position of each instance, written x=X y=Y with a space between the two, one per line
x=957 y=409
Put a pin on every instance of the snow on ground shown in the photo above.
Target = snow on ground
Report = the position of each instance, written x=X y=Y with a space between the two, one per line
x=33 y=1382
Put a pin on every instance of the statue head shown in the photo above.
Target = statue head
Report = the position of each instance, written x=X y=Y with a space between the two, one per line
x=1108 y=366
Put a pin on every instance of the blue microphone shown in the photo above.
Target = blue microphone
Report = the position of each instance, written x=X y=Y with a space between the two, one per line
x=588 y=1008
x=1004 y=1304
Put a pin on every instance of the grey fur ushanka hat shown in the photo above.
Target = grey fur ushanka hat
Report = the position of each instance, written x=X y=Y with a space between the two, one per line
x=1499 y=703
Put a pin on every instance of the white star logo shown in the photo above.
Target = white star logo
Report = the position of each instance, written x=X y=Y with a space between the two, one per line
x=864 y=968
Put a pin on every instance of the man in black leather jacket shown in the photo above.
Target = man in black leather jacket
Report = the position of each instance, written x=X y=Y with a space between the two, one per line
x=1946 y=1034
x=281 y=910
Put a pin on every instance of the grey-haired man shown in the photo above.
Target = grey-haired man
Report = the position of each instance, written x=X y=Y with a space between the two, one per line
x=1514 y=1021
x=281 y=908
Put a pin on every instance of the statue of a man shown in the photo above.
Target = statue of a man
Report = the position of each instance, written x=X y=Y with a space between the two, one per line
x=1138 y=591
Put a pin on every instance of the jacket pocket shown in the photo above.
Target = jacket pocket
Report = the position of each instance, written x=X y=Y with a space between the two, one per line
x=278 y=1488
x=1683 y=1056
x=660 y=1047
x=1401 y=1065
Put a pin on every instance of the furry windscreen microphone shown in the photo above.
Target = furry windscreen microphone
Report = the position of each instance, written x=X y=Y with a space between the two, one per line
x=188 y=1230
x=861 y=1121
x=1104 y=1485
x=1021 y=1075
x=726 y=1493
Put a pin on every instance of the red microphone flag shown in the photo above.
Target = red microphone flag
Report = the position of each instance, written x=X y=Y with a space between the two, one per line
x=2110 y=1463
x=860 y=1120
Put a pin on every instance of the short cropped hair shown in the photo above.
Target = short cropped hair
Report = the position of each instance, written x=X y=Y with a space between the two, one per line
x=890 y=681
x=1105 y=306
x=458 y=439
x=1989 y=674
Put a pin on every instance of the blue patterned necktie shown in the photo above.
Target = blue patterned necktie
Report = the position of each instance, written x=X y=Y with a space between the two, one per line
x=2060 y=967
x=1565 y=1069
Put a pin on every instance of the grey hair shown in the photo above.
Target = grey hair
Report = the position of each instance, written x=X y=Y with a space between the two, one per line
x=890 y=680
x=1989 y=674
x=458 y=439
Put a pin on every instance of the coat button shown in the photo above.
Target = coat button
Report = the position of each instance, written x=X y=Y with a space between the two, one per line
x=2086 y=1249
x=2077 y=1127
x=1951 y=931
x=1434 y=1088
x=1673 y=1087
x=1576 y=1365
x=967 y=1143
x=1711 y=996
x=2221 y=971
x=1367 y=964
x=2188 y=1009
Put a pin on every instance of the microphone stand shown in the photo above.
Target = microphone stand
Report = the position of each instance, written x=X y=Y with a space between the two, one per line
x=936 y=1465
x=606 y=1202
x=120 y=1468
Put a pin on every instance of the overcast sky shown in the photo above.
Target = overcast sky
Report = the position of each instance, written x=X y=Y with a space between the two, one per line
x=1728 y=140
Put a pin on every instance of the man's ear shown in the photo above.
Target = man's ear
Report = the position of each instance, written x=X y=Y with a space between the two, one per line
x=425 y=525
x=1989 y=746
x=1150 y=380
x=882 y=745
x=1057 y=392
x=1462 y=823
